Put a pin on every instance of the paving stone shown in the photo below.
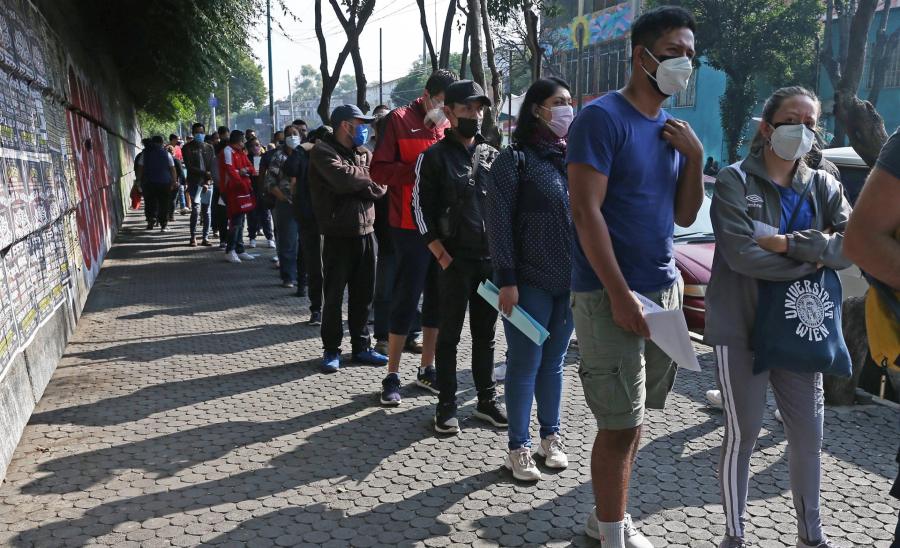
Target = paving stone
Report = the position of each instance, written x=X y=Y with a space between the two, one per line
x=181 y=415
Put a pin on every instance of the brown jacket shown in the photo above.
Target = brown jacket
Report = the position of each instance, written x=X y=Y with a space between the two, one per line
x=343 y=194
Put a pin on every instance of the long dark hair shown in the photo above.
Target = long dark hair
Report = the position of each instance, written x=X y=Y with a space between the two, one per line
x=537 y=93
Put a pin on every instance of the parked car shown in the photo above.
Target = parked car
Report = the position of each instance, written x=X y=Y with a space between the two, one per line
x=693 y=249
x=853 y=169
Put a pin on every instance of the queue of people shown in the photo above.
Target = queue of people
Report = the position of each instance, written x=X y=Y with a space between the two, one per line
x=573 y=222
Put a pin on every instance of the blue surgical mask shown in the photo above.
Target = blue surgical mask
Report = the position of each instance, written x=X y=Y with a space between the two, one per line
x=362 y=135
x=199 y=137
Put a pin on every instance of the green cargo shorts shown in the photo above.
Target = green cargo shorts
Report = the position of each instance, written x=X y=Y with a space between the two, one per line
x=621 y=373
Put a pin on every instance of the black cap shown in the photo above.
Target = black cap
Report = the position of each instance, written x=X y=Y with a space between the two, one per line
x=463 y=91
x=348 y=112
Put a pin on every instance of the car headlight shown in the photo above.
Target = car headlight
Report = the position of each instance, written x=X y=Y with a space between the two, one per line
x=695 y=290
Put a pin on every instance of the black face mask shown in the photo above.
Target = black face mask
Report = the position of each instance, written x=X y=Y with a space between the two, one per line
x=468 y=127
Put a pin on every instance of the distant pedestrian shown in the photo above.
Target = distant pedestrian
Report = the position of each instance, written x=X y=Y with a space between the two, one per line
x=805 y=213
x=175 y=143
x=407 y=268
x=634 y=171
x=309 y=267
x=529 y=229
x=448 y=210
x=236 y=172
x=303 y=128
x=343 y=194
x=200 y=160
x=156 y=170
x=260 y=219
x=179 y=202
x=278 y=184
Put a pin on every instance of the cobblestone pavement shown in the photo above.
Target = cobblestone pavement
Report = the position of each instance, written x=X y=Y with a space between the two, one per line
x=188 y=410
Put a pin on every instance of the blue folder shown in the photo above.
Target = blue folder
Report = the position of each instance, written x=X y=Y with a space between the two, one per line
x=519 y=318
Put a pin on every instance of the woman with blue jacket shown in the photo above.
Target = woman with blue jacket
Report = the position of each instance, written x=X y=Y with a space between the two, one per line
x=529 y=229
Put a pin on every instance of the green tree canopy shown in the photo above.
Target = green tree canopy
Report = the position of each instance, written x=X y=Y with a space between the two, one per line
x=410 y=86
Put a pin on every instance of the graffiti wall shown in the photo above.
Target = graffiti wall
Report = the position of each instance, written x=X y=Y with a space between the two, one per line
x=593 y=28
x=61 y=176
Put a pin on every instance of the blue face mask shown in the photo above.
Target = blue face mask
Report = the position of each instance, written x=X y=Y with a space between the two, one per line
x=199 y=137
x=362 y=135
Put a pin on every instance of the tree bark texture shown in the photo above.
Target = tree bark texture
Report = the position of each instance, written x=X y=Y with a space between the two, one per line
x=423 y=21
x=444 y=60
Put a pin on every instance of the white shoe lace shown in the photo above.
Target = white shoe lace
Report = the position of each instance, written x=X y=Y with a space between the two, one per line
x=556 y=446
x=630 y=529
x=524 y=459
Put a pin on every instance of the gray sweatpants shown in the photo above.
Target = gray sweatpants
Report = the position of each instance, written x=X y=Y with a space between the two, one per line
x=801 y=400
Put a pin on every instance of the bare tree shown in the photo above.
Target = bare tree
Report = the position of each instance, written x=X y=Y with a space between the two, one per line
x=423 y=21
x=329 y=78
x=532 y=38
x=857 y=118
x=358 y=12
x=444 y=60
x=464 y=58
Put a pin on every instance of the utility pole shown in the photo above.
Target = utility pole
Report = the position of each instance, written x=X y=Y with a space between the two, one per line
x=290 y=95
x=509 y=108
x=228 y=101
x=212 y=106
x=271 y=91
x=380 y=73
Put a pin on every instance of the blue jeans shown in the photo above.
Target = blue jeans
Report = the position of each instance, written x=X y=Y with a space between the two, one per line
x=288 y=238
x=536 y=372
x=180 y=202
x=259 y=220
x=236 y=233
x=199 y=210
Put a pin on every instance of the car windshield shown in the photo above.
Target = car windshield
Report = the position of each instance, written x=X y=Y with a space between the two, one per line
x=702 y=227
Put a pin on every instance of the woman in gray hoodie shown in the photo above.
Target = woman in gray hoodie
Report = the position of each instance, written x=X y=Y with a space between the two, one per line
x=752 y=203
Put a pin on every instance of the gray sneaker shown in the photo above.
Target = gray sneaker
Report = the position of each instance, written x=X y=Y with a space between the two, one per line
x=821 y=544
x=633 y=537
x=733 y=542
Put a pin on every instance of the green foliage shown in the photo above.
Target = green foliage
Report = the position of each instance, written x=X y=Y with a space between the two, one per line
x=753 y=41
x=410 y=86
x=504 y=12
x=248 y=90
x=307 y=85
x=166 y=46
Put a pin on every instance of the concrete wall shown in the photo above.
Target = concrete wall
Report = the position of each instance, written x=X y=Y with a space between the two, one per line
x=67 y=134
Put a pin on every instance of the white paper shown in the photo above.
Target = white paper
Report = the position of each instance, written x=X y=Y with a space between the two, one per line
x=669 y=332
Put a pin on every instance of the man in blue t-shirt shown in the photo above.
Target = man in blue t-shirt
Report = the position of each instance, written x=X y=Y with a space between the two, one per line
x=634 y=171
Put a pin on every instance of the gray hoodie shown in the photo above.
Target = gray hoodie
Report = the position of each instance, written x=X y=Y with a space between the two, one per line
x=747 y=202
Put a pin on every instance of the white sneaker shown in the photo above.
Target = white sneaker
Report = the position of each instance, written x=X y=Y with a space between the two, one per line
x=246 y=256
x=232 y=257
x=271 y=244
x=274 y=259
x=500 y=372
x=251 y=244
x=522 y=465
x=714 y=397
x=551 y=449
x=778 y=416
x=633 y=537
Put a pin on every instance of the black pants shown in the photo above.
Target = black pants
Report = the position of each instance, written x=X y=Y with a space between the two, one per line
x=158 y=201
x=459 y=290
x=219 y=215
x=350 y=263
x=309 y=265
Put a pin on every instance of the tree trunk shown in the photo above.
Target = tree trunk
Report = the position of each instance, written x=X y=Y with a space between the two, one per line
x=353 y=27
x=839 y=390
x=736 y=106
x=361 y=101
x=329 y=80
x=423 y=21
x=863 y=124
x=464 y=59
x=474 y=26
x=489 y=127
x=444 y=61
x=881 y=53
x=532 y=39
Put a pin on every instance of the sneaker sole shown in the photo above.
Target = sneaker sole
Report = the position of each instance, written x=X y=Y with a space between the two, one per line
x=490 y=419
x=540 y=453
x=445 y=430
x=431 y=389
x=389 y=403
x=315 y=324
x=520 y=478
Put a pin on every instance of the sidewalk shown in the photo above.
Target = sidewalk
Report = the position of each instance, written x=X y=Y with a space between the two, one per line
x=189 y=410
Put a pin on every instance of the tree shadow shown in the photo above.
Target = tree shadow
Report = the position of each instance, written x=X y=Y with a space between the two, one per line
x=343 y=453
x=163 y=397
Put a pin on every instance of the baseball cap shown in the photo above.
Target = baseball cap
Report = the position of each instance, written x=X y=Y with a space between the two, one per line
x=462 y=91
x=348 y=112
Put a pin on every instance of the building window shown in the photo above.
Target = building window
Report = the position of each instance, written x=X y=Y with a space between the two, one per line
x=688 y=97
x=599 y=5
x=603 y=67
x=891 y=71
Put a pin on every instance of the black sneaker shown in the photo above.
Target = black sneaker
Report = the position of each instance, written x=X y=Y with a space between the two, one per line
x=390 y=390
x=301 y=290
x=445 y=421
x=491 y=411
x=427 y=379
x=315 y=318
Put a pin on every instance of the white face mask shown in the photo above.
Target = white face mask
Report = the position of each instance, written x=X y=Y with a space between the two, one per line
x=672 y=75
x=293 y=141
x=792 y=141
x=561 y=117
x=436 y=115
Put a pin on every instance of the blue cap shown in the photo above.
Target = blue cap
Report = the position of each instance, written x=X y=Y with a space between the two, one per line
x=348 y=112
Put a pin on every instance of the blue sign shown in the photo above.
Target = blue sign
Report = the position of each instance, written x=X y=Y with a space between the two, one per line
x=213 y=102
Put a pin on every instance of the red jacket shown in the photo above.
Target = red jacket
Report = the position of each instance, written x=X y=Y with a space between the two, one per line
x=231 y=162
x=394 y=162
